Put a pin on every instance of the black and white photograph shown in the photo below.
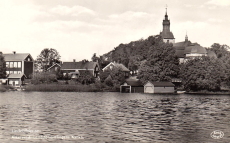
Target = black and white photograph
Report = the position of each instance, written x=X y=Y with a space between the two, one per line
x=115 y=71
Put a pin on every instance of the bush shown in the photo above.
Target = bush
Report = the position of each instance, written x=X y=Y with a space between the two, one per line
x=43 y=77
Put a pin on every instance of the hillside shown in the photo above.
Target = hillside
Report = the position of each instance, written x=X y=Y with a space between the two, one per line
x=131 y=54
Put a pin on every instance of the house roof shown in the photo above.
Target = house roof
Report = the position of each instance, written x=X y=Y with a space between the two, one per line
x=54 y=66
x=79 y=65
x=161 y=84
x=15 y=76
x=133 y=82
x=16 y=56
x=167 y=35
x=118 y=65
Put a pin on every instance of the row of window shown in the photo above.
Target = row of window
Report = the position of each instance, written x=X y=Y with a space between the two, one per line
x=13 y=72
x=13 y=64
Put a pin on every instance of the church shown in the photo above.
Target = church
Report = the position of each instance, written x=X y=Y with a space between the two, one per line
x=185 y=49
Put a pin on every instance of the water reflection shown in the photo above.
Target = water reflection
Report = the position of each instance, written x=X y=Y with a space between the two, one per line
x=113 y=117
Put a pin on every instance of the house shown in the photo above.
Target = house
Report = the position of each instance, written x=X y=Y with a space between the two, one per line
x=158 y=87
x=117 y=65
x=18 y=67
x=132 y=85
x=78 y=67
x=54 y=68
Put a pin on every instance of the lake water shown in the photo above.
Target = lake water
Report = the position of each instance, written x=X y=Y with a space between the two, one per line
x=112 y=117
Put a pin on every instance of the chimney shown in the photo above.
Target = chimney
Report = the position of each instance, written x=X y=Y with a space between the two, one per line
x=14 y=52
x=74 y=60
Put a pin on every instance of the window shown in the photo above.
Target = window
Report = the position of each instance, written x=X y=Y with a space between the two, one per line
x=7 y=64
x=16 y=82
x=7 y=72
x=19 y=65
x=11 y=72
x=15 y=64
x=19 y=72
x=10 y=82
x=56 y=68
x=15 y=72
x=11 y=64
x=28 y=59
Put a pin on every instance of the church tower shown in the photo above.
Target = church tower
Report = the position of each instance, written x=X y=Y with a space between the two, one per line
x=166 y=34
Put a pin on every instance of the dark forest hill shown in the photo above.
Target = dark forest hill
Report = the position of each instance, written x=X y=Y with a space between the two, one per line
x=131 y=54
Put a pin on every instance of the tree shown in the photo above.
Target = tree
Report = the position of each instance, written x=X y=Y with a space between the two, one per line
x=86 y=77
x=223 y=55
x=46 y=59
x=95 y=58
x=161 y=65
x=202 y=74
x=220 y=50
x=2 y=66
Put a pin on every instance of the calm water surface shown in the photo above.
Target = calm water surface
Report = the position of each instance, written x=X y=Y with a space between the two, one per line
x=112 y=117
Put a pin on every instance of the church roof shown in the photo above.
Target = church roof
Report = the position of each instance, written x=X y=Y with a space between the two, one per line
x=180 y=47
x=195 y=48
x=167 y=35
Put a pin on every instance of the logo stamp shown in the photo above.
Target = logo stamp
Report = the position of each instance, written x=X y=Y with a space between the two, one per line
x=217 y=134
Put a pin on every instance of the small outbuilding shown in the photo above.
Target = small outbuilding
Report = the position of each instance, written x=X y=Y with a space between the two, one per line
x=132 y=86
x=159 y=87
x=16 y=79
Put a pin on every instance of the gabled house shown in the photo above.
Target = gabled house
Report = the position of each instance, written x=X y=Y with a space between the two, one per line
x=117 y=65
x=78 y=67
x=54 y=68
x=18 y=67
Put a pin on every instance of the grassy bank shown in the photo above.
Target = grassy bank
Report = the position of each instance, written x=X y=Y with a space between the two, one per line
x=62 y=88
x=4 y=88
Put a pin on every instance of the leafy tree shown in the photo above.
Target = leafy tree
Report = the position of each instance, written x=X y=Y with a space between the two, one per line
x=220 y=50
x=95 y=58
x=2 y=66
x=46 y=59
x=202 y=74
x=161 y=65
x=86 y=77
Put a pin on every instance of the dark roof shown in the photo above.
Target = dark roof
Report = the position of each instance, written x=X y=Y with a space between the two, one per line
x=195 y=49
x=162 y=84
x=16 y=57
x=84 y=71
x=134 y=82
x=79 y=65
x=167 y=35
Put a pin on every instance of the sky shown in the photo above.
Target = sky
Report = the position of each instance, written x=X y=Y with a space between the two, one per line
x=79 y=28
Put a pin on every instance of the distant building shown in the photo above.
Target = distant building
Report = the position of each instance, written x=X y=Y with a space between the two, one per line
x=166 y=34
x=18 y=67
x=132 y=85
x=187 y=50
x=54 y=68
x=118 y=65
x=78 y=67
x=159 y=87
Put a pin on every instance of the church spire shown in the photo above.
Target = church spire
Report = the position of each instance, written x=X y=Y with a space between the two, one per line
x=186 y=37
x=166 y=15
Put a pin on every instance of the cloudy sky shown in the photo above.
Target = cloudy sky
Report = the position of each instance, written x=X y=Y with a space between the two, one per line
x=79 y=28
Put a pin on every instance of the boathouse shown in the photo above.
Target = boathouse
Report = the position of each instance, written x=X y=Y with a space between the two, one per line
x=132 y=86
x=159 y=87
